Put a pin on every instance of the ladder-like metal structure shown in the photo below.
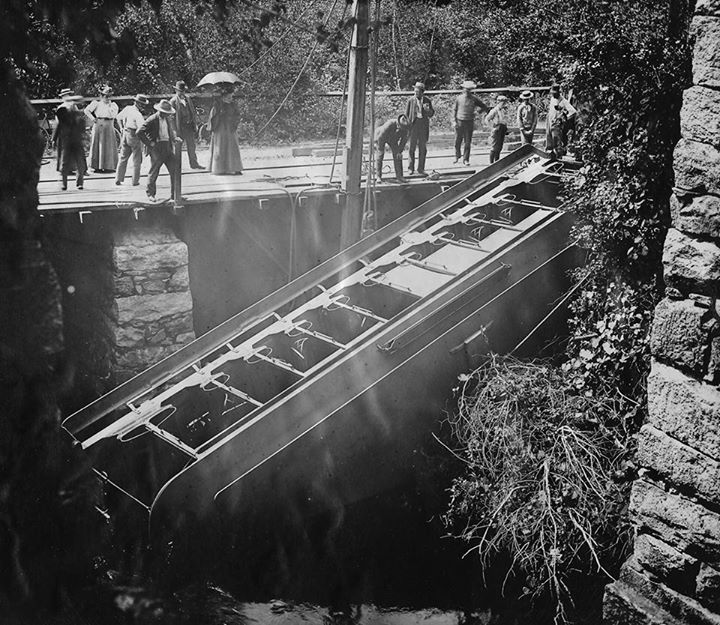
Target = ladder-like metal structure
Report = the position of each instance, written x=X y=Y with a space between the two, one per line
x=317 y=368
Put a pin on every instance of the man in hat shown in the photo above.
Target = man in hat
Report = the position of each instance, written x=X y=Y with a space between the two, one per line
x=393 y=133
x=419 y=110
x=66 y=95
x=497 y=120
x=558 y=103
x=69 y=139
x=103 y=144
x=186 y=120
x=465 y=105
x=130 y=120
x=159 y=134
x=526 y=118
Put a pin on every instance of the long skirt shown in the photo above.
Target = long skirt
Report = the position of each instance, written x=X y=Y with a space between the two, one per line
x=103 y=145
x=224 y=152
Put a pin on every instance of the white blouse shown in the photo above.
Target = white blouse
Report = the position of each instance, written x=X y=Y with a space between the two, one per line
x=102 y=109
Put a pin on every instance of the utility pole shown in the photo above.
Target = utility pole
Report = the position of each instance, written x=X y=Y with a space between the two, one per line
x=352 y=161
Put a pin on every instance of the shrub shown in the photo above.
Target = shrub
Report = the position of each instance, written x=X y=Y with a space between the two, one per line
x=545 y=481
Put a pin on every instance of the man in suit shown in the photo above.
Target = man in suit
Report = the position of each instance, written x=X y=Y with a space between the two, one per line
x=419 y=110
x=186 y=121
x=393 y=133
x=159 y=134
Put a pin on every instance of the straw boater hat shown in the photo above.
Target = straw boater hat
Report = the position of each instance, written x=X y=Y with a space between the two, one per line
x=106 y=90
x=180 y=85
x=526 y=95
x=141 y=98
x=468 y=84
x=164 y=107
x=65 y=93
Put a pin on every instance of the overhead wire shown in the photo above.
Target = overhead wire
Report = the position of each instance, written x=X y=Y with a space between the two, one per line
x=293 y=26
x=430 y=47
x=300 y=73
x=340 y=112
x=370 y=221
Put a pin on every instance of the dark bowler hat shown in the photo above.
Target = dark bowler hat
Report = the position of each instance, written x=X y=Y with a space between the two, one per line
x=141 y=98
x=180 y=85
x=555 y=90
x=164 y=107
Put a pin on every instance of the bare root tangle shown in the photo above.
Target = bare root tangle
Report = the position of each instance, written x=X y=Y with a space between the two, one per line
x=541 y=476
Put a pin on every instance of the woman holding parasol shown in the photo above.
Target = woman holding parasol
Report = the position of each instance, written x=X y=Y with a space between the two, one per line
x=222 y=123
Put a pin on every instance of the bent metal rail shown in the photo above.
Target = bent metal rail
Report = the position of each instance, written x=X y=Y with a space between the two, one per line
x=246 y=391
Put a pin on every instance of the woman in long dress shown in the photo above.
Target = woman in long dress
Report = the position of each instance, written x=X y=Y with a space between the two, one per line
x=103 y=144
x=224 y=149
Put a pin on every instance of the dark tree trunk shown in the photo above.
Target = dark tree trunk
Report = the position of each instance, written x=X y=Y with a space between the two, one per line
x=44 y=493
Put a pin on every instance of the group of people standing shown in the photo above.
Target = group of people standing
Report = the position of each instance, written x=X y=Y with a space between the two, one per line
x=414 y=124
x=161 y=134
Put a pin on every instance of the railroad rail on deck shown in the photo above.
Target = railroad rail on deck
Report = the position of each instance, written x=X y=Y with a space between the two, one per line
x=238 y=398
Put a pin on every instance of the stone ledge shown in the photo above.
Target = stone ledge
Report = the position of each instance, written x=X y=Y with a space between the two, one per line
x=678 y=521
x=148 y=308
x=691 y=265
x=706 y=51
x=700 y=115
x=684 y=408
x=670 y=566
x=699 y=215
x=707 y=7
x=697 y=166
x=622 y=605
x=678 y=606
x=679 y=334
x=142 y=236
x=678 y=463
x=131 y=259
x=708 y=587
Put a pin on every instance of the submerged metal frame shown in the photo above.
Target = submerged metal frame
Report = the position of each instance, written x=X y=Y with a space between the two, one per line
x=201 y=361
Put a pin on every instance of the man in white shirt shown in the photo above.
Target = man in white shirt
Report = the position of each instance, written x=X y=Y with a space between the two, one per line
x=557 y=102
x=130 y=120
x=497 y=120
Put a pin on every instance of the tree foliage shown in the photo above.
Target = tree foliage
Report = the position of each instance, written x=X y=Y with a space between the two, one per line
x=628 y=64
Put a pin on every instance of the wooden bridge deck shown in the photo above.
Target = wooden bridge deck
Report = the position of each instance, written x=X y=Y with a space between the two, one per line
x=265 y=175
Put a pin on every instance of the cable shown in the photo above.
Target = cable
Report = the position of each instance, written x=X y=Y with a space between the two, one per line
x=430 y=47
x=369 y=204
x=297 y=79
x=340 y=114
x=278 y=40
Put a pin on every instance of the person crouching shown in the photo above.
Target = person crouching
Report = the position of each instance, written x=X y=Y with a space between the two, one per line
x=394 y=134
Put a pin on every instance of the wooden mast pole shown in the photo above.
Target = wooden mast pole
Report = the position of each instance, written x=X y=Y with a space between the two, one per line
x=352 y=161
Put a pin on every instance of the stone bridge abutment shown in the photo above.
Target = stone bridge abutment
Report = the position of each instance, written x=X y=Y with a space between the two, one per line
x=673 y=575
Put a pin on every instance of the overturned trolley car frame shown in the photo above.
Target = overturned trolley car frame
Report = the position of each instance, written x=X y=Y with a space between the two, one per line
x=325 y=389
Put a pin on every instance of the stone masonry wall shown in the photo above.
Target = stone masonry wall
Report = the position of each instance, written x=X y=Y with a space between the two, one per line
x=153 y=305
x=673 y=575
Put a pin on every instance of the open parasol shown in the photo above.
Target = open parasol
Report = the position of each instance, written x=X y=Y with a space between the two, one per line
x=217 y=79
